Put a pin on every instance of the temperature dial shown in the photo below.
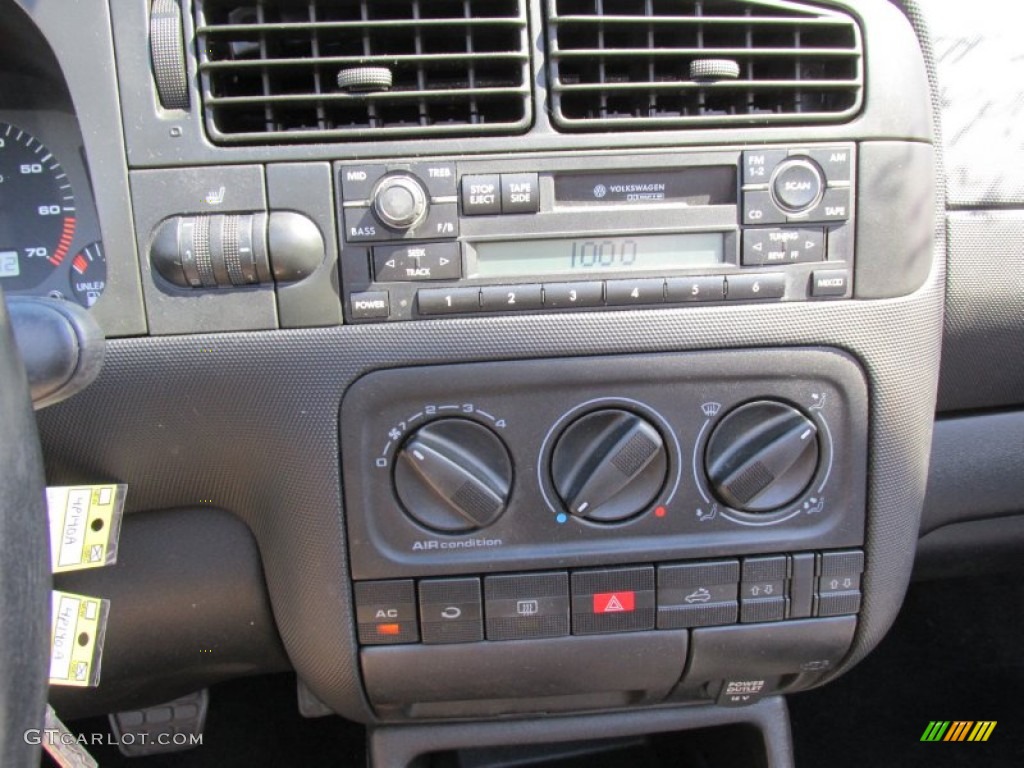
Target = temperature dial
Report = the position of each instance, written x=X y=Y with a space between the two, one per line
x=400 y=201
x=762 y=456
x=453 y=475
x=609 y=465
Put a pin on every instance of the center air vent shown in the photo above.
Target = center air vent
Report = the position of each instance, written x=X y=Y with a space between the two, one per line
x=282 y=70
x=673 y=63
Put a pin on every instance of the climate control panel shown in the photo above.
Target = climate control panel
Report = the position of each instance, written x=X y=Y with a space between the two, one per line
x=482 y=468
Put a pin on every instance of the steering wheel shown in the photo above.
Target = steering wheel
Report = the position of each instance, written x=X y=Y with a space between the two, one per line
x=24 y=563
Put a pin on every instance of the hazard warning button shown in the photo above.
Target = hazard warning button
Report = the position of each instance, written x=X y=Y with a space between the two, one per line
x=613 y=600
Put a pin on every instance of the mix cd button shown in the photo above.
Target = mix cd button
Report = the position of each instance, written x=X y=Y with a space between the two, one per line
x=451 y=611
x=386 y=612
x=527 y=606
x=698 y=594
x=619 y=600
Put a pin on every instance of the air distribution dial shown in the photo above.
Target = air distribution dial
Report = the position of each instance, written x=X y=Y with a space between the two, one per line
x=400 y=201
x=761 y=456
x=453 y=475
x=609 y=465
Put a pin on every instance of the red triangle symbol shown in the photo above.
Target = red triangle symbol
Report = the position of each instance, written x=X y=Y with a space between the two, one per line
x=613 y=605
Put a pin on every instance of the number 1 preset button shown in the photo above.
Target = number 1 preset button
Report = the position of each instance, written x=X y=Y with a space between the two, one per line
x=446 y=301
x=568 y=295
x=509 y=298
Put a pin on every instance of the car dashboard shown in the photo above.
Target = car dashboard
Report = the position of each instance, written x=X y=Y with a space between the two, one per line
x=520 y=372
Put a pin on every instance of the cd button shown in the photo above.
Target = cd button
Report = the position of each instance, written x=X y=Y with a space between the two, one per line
x=695 y=288
x=510 y=298
x=758 y=208
x=644 y=291
x=442 y=301
x=759 y=286
x=567 y=295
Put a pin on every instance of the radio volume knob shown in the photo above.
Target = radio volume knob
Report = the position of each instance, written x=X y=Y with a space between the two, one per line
x=400 y=201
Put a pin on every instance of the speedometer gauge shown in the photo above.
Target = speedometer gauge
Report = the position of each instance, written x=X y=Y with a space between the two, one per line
x=37 y=210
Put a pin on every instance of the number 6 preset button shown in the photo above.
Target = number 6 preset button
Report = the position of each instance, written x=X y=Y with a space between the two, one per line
x=769 y=285
x=446 y=301
x=509 y=298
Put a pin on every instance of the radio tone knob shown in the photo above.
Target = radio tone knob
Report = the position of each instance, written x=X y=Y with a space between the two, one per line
x=797 y=185
x=400 y=201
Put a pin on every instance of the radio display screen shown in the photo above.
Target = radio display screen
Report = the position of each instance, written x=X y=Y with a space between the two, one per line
x=583 y=255
x=704 y=185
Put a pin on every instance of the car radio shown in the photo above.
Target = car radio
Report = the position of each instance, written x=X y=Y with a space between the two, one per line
x=424 y=239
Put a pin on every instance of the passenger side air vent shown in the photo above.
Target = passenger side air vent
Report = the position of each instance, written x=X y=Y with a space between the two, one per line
x=627 y=64
x=316 y=70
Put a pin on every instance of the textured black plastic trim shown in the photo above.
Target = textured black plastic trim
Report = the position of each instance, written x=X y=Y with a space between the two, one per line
x=399 y=746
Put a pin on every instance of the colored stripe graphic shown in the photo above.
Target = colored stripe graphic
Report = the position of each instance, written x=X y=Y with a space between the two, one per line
x=982 y=730
x=958 y=730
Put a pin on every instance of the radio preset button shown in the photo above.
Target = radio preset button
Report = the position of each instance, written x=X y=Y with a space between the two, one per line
x=759 y=208
x=695 y=288
x=648 y=290
x=429 y=261
x=510 y=297
x=447 y=301
x=519 y=193
x=797 y=184
x=357 y=181
x=768 y=285
x=759 y=164
x=481 y=195
x=566 y=295
x=762 y=247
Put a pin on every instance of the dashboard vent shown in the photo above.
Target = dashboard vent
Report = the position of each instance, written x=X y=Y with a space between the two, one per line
x=627 y=64
x=315 y=70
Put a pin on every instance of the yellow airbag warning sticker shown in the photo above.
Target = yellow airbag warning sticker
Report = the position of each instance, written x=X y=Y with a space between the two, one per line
x=85 y=522
x=78 y=626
